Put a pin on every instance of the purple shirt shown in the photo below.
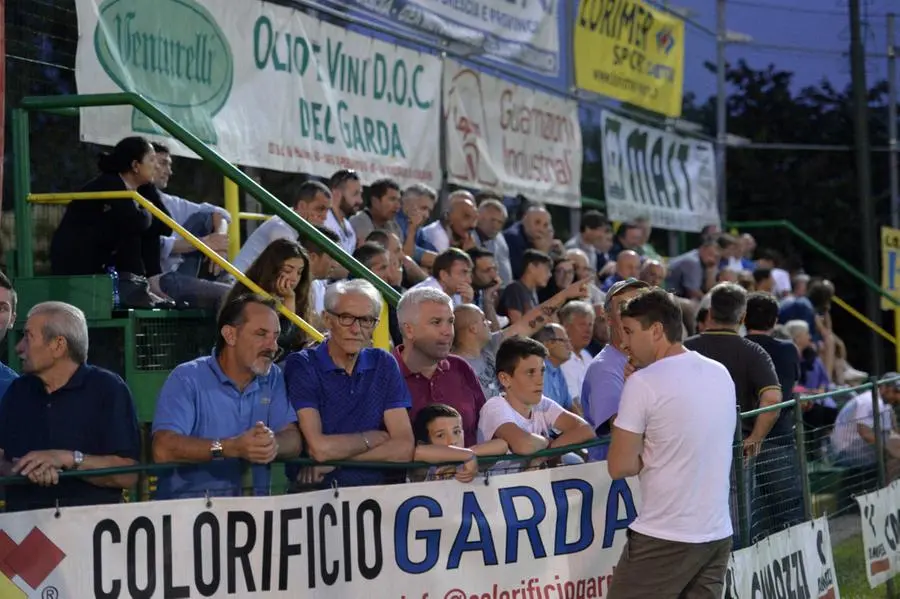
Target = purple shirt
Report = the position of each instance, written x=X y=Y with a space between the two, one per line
x=347 y=403
x=453 y=383
x=601 y=392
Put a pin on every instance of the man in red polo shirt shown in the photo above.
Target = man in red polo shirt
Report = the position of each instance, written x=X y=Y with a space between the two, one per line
x=431 y=373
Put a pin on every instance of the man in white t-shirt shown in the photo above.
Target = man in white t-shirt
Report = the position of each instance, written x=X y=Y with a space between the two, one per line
x=523 y=416
x=674 y=430
x=312 y=203
x=853 y=437
x=578 y=320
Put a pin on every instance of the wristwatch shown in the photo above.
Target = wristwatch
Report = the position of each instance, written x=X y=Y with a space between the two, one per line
x=77 y=459
x=216 y=450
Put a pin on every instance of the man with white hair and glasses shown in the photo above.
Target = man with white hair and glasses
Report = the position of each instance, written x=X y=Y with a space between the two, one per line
x=63 y=414
x=350 y=398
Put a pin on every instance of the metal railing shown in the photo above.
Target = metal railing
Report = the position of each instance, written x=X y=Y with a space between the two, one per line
x=65 y=198
x=68 y=104
x=853 y=271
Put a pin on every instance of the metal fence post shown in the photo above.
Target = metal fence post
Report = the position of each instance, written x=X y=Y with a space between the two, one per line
x=876 y=429
x=800 y=443
x=743 y=510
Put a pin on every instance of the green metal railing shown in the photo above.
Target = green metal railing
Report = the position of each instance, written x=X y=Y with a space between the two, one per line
x=856 y=273
x=68 y=105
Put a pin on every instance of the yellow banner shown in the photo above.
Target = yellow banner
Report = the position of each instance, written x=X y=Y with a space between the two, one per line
x=890 y=265
x=629 y=51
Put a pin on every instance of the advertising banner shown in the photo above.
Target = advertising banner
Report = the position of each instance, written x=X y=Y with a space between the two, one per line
x=510 y=139
x=658 y=174
x=890 y=266
x=520 y=36
x=796 y=562
x=551 y=533
x=880 y=514
x=264 y=85
x=630 y=51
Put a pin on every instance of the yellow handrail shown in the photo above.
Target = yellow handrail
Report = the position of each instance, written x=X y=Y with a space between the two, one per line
x=253 y=216
x=232 y=203
x=65 y=198
x=862 y=318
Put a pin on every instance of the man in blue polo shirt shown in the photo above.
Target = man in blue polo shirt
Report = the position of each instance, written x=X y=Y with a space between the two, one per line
x=7 y=320
x=227 y=409
x=63 y=414
x=351 y=400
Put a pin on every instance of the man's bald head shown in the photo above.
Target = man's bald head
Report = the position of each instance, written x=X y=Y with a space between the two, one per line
x=469 y=324
x=536 y=221
x=653 y=272
x=628 y=264
x=461 y=212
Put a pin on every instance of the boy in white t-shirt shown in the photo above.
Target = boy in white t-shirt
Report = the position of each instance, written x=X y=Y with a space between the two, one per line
x=674 y=430
x=523 y=416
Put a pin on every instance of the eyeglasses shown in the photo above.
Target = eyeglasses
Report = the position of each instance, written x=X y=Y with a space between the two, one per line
x=557 y=340
x=342 y=176
x=347 y=320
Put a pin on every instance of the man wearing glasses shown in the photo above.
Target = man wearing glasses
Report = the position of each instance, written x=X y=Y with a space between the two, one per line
x=350 y=398
x=346 y=200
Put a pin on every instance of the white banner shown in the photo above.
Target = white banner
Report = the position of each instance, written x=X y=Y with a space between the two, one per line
x=796 y=562
x=510 y=139
x=558 y=532
x=266 y=86
x=880 y=514
x=521 y=35
x=657 y=174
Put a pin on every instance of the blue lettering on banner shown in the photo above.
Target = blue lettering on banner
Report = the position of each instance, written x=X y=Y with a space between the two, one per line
x=619 y=489
x=530 y=525
x=586 y=523
x=431 y=536
x=471 y=511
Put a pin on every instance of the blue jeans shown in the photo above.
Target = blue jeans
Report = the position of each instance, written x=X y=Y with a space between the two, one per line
x=182 y=285
x=778 y=500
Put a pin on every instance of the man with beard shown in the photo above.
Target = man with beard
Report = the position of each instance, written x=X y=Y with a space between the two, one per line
x=384 y=204
x=346 y=200
x=206 y=406
x=7 y=320
x=431 y=373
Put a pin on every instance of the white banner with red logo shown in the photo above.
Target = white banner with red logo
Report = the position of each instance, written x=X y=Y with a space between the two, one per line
x=796 y=562
x=511 y=139
x=880 y=515
x=549 y=533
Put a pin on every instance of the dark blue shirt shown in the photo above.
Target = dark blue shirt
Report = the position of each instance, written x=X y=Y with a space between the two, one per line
x=347 y=403
x=93 y=413
x=786 y=359
x=799 y=308
x=518 y=242
x=199 y=400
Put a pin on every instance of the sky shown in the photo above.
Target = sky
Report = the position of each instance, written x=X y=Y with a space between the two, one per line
x=820 y=25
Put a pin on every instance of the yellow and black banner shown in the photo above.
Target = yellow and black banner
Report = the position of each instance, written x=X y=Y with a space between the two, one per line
x=630 y=51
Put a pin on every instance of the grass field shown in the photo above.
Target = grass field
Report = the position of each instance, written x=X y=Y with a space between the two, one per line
x=851 y=573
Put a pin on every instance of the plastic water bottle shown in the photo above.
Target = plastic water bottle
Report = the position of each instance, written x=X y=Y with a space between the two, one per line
x=114 y=276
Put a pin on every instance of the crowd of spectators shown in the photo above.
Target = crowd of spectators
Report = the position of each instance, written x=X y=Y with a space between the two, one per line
x=505 y=340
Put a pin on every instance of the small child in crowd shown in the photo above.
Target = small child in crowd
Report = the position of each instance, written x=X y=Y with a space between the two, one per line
x=439 y=439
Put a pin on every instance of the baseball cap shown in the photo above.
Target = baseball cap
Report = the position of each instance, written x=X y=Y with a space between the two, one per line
x=621 y=286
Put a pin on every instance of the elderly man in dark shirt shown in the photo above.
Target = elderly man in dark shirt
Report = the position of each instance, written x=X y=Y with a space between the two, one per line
x=755 y=379
x=63 y=414
x=779 y=500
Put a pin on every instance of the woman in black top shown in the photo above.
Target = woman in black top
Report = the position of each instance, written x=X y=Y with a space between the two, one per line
x=95 y=235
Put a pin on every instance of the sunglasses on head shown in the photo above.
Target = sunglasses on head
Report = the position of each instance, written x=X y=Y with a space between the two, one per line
x=342 y=176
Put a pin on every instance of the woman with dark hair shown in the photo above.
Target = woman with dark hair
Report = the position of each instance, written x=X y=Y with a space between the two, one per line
x=96 y=235
x=282 y=270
